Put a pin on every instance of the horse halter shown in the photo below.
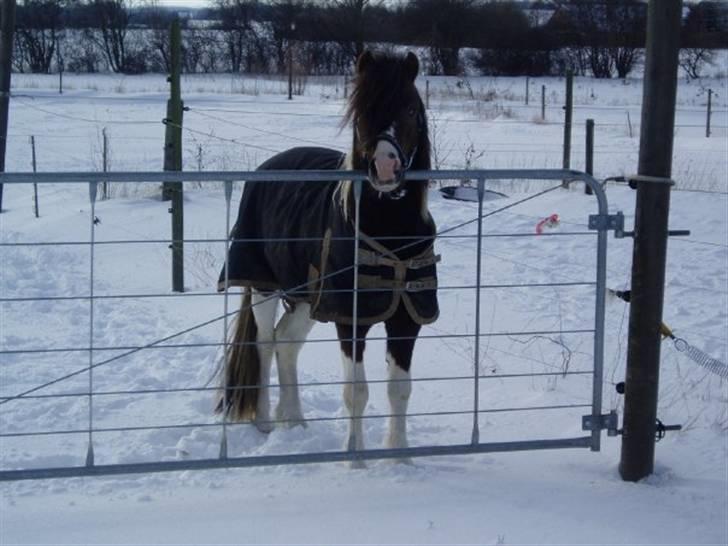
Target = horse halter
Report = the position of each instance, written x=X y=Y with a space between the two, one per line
x=404 y=160
x=399 y=191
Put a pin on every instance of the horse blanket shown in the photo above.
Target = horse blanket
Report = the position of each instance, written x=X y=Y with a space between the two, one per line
x=294 y=237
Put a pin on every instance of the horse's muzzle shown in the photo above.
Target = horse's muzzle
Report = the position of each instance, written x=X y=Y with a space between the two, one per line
x=393 y=186
x=387 y=166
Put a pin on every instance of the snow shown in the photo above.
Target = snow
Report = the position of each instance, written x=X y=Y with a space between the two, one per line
x=560 y=496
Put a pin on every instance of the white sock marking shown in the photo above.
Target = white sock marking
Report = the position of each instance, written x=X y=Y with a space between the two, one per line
x=264 y=310
x=356 y=395
x=399 y=389
x=290 y=334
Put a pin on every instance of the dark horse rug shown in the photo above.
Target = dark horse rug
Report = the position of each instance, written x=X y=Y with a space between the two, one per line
x=294 y=237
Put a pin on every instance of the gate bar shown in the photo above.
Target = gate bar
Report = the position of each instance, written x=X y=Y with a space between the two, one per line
x=298 y=458
x=292 y=176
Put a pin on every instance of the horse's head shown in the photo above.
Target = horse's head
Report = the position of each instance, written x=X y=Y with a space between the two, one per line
x=390 y=126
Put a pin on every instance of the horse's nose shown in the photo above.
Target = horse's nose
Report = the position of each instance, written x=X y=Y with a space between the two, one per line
x=388 y=166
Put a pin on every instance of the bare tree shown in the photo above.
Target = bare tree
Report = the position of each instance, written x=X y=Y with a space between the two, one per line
x=347 y=23
x=509 y=46
x=285 y=19
x=202 y=52
x=112 y=18
x=609 y=31
x=692 y=60
x=37 y=31
x=159 y=21
x=626 y=21
x=444 y=25
x=236 y=17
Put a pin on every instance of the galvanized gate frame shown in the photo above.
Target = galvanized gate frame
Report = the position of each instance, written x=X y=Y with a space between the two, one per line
x=593 y=423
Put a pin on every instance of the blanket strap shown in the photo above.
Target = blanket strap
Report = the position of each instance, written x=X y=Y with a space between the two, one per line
x=368 y=257
x=374 y=281
x=381 y=255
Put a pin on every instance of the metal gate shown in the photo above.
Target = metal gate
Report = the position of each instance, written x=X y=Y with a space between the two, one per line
x=592 y=423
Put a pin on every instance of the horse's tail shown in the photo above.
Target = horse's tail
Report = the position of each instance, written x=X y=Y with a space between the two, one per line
x=241 y=372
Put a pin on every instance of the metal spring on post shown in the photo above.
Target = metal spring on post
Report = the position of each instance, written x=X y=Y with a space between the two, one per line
x=699 y=357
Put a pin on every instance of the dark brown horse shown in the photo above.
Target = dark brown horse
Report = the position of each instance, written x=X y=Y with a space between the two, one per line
x=311 y=265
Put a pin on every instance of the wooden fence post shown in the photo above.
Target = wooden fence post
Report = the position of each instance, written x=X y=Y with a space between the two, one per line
x=589 y=160
x=7 y=10
x=173 y=158
x=568 y=111
x=710 y=104
x=59 y=61
x=650 y=239
x=290 y=69
x=105 y=164
x=35 y=170
x=629 y=124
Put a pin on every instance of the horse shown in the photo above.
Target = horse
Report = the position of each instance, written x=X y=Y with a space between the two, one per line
x=293 y=242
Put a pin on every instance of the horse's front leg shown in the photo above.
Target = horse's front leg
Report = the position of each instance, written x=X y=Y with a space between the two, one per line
x=401 y=336
x=356 y=391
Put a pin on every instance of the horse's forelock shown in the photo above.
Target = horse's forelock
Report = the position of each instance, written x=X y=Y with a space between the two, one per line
x=381 y=89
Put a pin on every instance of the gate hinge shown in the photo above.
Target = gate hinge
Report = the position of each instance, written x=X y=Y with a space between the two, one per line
x=608 y=422
x=601 y=222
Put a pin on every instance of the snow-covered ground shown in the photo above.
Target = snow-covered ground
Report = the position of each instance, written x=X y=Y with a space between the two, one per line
x=572 y=496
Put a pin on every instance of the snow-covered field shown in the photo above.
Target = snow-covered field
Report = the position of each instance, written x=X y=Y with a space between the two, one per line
x=572 y=496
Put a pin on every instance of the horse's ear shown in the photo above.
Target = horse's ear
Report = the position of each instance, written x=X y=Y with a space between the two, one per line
x=411 y=66
x=365 y=60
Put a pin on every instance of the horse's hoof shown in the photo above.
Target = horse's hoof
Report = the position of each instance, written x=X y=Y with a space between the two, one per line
x=266 y=427
x=291 y=421
x=357 y=465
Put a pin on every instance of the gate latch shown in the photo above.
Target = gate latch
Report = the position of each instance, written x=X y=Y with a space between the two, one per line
x=608 y=422
x=601 y=222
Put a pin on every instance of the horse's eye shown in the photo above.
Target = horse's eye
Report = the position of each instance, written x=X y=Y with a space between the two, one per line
x=412 y=111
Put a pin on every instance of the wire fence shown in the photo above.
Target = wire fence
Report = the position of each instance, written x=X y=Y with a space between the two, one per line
x=94 y=391
x=235 y=137
x=29 y=102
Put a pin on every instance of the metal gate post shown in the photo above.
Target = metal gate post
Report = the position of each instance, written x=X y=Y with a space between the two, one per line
x=599 y=312
x=475 y=438
x=355 y=317
x=92 y=191
x=228 y=198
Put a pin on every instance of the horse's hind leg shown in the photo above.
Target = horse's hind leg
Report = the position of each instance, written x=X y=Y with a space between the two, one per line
x=290 y=334
x=356 y=391
x=264 y=309
x=401 y=333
